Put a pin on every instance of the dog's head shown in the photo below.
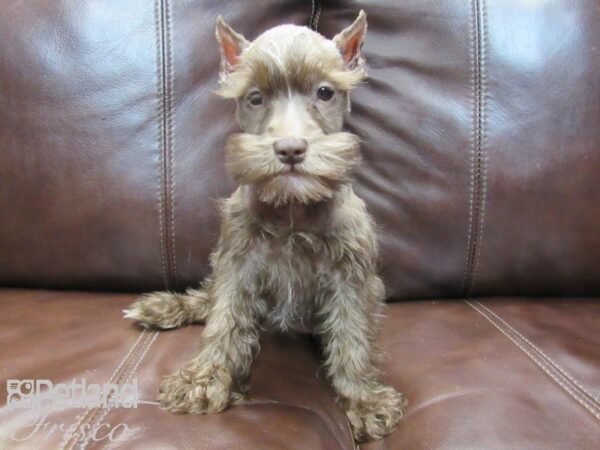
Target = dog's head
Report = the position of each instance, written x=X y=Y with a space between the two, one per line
x=292 y=89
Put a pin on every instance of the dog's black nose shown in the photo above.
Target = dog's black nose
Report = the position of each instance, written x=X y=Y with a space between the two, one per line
x=291 y=150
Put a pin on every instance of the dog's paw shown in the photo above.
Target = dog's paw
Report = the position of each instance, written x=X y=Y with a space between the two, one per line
x=160 y=310
x=376 y=414
x=203 y=391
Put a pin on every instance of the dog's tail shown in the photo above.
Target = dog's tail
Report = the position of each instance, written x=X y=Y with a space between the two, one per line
x=164 y=310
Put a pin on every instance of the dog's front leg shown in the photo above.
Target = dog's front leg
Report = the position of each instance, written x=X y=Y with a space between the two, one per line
x=347 y=325
x=215 y=378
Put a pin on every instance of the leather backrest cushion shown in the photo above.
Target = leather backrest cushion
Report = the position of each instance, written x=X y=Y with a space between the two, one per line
x=479 y=124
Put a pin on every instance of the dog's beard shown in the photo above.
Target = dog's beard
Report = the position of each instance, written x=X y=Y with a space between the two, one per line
x=329 y=162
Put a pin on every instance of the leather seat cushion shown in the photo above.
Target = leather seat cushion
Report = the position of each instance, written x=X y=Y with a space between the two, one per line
x=62 y=336
x=500 y=373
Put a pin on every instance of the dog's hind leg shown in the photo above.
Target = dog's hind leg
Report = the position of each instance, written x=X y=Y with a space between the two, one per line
x=164 y=310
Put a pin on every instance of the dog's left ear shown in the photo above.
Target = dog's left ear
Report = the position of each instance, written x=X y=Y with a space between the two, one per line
x=231 y=43
x=350 y=40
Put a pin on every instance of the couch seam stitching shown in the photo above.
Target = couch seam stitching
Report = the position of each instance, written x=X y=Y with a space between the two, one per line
x=482 y=163
x=66 y=440
x=164 y=65
x=477 y=188
x=315 y=14
x=83 y=419
x=78 y=439
x=542 y=354
x=134 y=369
x=169 y=143
x=471 y=155
x=161 y=133
x=590 y=407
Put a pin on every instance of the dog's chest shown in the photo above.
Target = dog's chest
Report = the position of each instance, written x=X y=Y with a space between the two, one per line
x=290 y=276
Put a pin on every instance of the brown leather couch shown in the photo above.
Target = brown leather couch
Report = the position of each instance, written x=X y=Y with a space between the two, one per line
x=480 y=124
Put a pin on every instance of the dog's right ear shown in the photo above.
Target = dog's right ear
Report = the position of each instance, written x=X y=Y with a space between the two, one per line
x=231 y=43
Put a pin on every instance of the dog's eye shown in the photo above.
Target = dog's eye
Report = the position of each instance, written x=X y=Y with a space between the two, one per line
x=255 y=98
x=325 y=93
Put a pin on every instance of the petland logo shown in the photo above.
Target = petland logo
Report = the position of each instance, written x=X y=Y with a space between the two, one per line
x=43 y=394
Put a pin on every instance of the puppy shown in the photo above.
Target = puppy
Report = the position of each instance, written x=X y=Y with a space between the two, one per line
x=297 y=247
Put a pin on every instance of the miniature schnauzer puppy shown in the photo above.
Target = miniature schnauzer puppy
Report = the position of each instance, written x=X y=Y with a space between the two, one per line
x=297 y=248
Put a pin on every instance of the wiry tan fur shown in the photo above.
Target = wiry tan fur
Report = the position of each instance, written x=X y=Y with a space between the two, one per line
x=297 y=248
x=298 y=54
x=331 y=160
